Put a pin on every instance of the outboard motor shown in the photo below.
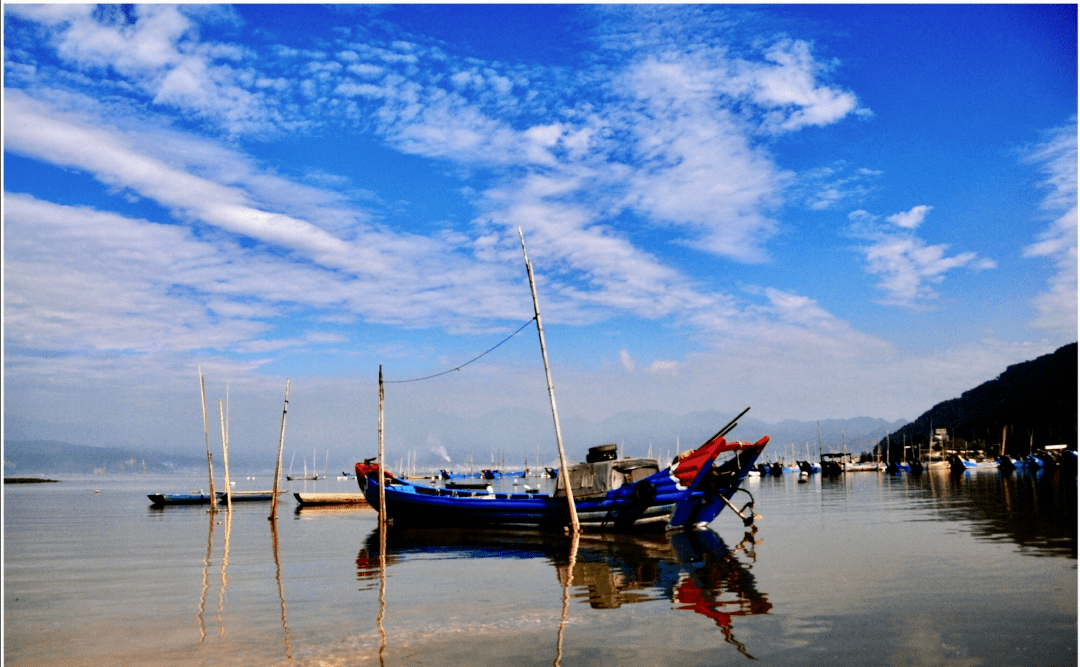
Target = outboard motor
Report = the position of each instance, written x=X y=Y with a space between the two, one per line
x=602 y=453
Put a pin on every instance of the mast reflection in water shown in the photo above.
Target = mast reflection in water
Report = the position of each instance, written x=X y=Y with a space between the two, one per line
x=695 y=571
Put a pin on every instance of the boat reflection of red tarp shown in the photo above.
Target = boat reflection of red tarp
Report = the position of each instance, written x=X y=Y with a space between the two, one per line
x=695 y=570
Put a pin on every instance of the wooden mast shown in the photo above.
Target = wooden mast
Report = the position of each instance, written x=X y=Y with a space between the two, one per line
x=575 y=526
x=206 y=432
x=280 y=446
x=382 y=469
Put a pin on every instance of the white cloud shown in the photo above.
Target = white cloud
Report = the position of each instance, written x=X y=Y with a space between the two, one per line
x=787 y=87
x=910 y=219
x=698 y=167
x=157 y=49
x=828 y=187
x=904 y=263
x=1057 y=307
x=33 y=129
x=676 y=138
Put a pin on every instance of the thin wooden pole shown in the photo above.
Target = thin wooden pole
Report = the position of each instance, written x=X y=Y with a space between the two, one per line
x=575 y=526
x=280 y=446
x=382 y=469
x=225 y=454
x=206 y=432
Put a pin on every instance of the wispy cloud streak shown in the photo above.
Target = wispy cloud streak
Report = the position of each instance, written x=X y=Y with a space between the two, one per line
x=905 y=264
x=1057 y=159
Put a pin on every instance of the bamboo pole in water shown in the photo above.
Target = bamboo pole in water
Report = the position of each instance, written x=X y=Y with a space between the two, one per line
x=382 y=469
x=225 y=455
x=281 y=445
x=575 y=526
x=206 y=432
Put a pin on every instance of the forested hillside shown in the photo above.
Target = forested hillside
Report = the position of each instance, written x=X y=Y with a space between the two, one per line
x=1034 y=402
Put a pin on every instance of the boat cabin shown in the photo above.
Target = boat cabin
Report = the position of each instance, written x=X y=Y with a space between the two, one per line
x=603 y=471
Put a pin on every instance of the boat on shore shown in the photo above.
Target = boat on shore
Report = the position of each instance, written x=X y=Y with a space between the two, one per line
x=610 y=494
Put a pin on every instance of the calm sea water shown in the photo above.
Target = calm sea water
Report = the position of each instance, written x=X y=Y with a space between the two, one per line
x=870 y=569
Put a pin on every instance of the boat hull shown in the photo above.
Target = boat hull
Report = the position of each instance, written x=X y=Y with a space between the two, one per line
x=323 y=499
x=163 y=499
x=690 y=494
x=248 y=496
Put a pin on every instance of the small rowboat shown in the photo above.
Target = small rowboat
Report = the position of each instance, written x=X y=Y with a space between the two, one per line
x=163 y=499
x=248 y=496
x=323 y=499
x=610 y=494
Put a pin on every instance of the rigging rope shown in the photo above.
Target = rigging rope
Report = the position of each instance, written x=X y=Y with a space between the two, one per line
x=458 y=368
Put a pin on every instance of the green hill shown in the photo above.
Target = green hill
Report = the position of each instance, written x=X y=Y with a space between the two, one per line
x=1034 y=401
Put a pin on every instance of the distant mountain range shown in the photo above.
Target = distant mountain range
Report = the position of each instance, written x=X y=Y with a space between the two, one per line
x=57 y=458
x=663 y=433
x=1034 y=402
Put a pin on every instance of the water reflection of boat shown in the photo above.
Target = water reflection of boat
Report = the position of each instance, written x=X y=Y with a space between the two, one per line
x=1034 y=509
x=610 y=494
x=693 y=569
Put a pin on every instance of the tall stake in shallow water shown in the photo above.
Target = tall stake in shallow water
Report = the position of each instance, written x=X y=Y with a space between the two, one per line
x=206 y=432
x=225 y=455
x=280 y=446
x=564 y=472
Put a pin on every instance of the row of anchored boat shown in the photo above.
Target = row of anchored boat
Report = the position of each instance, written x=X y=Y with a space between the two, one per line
x=1050 y=458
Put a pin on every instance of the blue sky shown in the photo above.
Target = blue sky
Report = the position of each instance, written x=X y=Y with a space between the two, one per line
x=820 y=211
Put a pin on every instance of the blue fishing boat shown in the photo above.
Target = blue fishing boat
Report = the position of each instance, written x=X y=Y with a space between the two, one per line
x=960 y=462
x=446 y=474
x=163 y=499
x=610 y=494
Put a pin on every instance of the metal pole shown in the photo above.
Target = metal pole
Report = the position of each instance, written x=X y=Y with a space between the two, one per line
x=575 y=526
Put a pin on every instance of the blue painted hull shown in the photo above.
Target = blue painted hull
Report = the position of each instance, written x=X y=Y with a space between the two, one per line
x=162 y=499
x=669 y=499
